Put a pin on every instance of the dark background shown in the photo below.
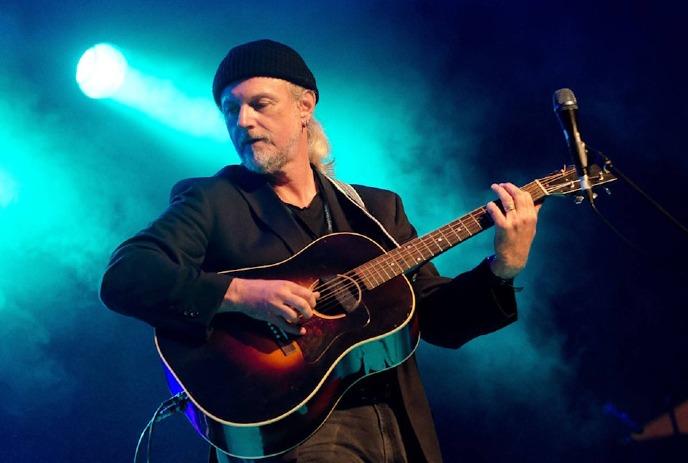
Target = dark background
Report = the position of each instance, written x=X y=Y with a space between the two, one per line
x=435 y=100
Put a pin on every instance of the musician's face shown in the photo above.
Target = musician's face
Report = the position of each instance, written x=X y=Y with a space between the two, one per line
x=264 y=122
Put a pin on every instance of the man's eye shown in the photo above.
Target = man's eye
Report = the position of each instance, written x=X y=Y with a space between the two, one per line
x=261 y=104
x=231 y=109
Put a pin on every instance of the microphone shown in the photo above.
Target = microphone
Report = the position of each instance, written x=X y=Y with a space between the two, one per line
x=566 y=108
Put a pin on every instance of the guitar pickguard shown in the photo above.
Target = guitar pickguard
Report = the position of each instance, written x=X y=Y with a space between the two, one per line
x=323 y=332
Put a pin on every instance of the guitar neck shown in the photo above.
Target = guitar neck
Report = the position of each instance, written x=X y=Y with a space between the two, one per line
x=419 y=250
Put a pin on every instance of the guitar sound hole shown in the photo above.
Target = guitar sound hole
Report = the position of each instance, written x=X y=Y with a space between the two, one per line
x=339 y=295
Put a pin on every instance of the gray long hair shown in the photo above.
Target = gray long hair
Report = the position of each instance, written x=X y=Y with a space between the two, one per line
x=318 y=144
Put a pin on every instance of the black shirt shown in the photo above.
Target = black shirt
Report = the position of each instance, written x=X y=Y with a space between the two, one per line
x=312 y=218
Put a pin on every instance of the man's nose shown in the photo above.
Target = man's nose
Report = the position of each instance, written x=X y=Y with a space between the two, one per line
x=245 y=116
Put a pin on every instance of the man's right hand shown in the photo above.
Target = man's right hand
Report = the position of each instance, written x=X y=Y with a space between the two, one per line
x=283 y=303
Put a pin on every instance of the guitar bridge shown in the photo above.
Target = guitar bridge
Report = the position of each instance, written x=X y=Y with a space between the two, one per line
x=282 y=339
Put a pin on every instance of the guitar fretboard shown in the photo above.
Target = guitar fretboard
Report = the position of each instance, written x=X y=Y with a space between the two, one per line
x=420 y=250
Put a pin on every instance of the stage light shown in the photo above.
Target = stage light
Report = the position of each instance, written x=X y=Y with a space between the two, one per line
x=101 y=71
x=161 y=100
x=104 y=73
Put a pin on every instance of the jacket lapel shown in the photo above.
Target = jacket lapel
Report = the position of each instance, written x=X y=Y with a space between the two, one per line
x=268 y=207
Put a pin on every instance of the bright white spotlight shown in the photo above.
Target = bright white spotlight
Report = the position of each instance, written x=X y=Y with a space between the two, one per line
x=101 y=71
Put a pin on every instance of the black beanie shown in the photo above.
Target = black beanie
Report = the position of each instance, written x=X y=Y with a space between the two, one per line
x=263 y=58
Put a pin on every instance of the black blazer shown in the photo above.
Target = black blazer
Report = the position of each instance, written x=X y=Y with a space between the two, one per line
x=167 y=274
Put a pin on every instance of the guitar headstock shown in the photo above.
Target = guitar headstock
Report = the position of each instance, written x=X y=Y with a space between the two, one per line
x=565 y=182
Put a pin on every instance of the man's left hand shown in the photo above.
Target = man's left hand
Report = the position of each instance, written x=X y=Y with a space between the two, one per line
x=515 y=229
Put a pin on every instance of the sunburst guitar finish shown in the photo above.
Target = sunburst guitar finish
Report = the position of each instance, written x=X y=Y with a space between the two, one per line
x=255 y=391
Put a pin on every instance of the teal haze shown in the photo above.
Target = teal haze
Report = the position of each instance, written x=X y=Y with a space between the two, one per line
x=430 y=100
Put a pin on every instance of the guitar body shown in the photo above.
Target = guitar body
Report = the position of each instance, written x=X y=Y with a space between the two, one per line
x=255 y=392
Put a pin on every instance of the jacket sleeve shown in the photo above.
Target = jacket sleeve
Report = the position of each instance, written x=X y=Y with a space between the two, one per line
x=452 y=311
x=156 y=275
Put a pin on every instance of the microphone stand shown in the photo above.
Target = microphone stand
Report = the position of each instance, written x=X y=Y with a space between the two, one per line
x=609 y=165
x=606 y=164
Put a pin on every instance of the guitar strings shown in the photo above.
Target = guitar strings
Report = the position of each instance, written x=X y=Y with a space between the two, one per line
x=381 y=263
x=331 y=290
x=334 y=289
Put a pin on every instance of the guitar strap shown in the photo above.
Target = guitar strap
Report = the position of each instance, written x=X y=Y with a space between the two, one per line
x=352 y=195
x=348 y=191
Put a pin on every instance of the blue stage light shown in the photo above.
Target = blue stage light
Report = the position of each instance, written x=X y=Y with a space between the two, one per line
x=101 y=71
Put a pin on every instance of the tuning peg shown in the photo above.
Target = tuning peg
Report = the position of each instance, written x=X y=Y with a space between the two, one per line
x=580 y=198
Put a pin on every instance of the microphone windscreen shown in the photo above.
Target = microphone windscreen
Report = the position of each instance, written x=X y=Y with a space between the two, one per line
x=564 y=99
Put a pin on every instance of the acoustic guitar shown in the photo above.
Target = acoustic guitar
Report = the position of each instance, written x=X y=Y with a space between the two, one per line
x=254 y=391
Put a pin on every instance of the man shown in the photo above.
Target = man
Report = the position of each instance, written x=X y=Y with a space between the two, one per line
x=269 y=208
